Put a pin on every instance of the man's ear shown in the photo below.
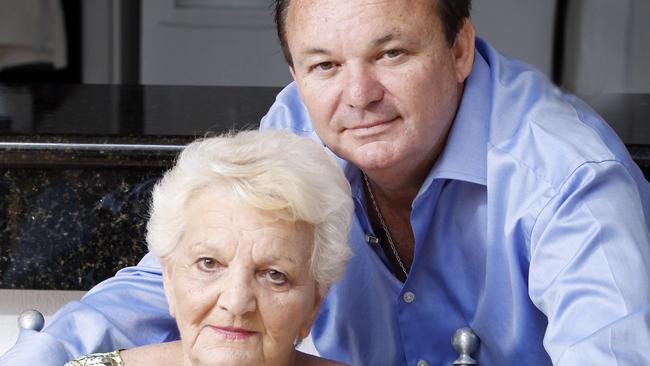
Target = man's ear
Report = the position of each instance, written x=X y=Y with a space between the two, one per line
x=293 y=72
x=463 y=50
x=168 y=285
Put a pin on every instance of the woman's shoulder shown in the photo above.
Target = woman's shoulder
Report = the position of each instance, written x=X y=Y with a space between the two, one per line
x=98 y=359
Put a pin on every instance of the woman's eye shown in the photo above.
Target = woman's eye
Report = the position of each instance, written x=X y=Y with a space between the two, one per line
x=276 y=277
x=207 y=264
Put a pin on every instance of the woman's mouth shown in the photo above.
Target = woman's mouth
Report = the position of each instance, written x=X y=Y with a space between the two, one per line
x=233 y=333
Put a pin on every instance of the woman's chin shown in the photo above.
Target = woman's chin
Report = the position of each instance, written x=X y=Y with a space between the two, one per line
x=226 y=357
x=214 y=348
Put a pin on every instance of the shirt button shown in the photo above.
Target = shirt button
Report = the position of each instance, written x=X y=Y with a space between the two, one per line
x=409 y=297
x=422 y=363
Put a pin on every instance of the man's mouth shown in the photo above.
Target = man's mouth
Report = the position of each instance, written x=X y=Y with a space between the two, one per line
x=366 y=125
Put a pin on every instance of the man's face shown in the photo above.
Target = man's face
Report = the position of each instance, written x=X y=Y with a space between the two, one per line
x=379 y=80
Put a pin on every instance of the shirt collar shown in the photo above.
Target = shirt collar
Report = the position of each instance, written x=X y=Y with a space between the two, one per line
x=464 y=156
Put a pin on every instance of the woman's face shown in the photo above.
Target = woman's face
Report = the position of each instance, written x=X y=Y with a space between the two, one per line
x=239 y=284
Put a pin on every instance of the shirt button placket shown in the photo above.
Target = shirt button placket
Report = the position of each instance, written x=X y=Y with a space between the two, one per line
x=408 y=297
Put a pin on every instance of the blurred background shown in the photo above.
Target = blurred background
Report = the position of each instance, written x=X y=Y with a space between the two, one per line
x=598 y=49
x=587 y=46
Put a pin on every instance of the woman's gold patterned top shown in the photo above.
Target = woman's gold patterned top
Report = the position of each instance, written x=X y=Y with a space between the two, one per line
x=98 y=359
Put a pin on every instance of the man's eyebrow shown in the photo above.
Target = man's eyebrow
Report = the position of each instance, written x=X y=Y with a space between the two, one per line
x=385 y=39
x=377 y=42
x=316 y=51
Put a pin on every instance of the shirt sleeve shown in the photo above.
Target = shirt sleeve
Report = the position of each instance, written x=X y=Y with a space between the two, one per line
x=590 y=269
x=289 y=113
x=125 y=311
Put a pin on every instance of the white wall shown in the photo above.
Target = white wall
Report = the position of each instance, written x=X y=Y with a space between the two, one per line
x=110 y=31
x=14 y=302
x=519 y=28
x=608 y=47
x=210 y=46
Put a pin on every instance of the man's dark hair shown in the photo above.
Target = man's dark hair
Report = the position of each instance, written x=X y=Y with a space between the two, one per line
x=452 y=13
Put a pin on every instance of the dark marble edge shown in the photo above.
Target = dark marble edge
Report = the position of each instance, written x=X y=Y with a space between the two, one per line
x=43 y=150
x=50 y=159
x=128 y=151
x=100 y=139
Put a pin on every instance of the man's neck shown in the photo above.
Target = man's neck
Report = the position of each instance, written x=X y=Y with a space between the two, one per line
x=398 y=185
x=389 y=212
x=394 y=191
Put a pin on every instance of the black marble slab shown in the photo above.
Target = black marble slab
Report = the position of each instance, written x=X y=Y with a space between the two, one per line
x=77 y=164
x=69 y=228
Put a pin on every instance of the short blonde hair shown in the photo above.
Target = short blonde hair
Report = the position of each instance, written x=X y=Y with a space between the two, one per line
x=291 y=177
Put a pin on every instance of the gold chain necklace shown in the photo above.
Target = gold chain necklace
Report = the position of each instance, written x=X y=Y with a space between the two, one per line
x=383 y=225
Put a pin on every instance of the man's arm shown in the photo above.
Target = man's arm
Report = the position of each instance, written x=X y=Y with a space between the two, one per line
x=124 y=311
x=590 y=269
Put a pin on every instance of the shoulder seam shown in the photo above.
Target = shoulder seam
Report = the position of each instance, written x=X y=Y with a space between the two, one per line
x=564 y=182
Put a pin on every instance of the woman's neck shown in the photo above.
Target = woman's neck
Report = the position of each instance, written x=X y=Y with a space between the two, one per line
x=161 y=354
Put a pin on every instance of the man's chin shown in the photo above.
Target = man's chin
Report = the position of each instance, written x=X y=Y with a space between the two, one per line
x=374 y=157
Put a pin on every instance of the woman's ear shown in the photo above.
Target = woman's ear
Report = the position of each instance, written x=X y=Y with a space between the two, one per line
x=306 y=327
x=168 y=284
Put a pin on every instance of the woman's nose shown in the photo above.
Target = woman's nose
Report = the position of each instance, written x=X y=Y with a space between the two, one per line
x=237 y=297
x=361 y=87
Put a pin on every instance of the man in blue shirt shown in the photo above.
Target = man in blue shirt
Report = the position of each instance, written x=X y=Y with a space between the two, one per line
x=485 y=198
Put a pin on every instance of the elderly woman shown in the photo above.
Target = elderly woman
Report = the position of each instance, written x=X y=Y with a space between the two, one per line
x=249 y=239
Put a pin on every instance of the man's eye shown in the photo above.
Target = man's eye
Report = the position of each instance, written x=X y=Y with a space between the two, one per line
x=393 y=53
x=324 y=66
x=276 y=277
x=207 y=264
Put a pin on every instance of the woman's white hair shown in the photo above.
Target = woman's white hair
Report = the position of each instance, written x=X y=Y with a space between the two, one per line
x=286 y=175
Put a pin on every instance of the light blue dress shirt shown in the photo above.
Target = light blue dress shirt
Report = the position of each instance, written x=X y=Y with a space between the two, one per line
x=531 y=228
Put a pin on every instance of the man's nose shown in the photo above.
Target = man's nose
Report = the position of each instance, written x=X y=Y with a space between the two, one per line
x=361 y=87
x=238 y=295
